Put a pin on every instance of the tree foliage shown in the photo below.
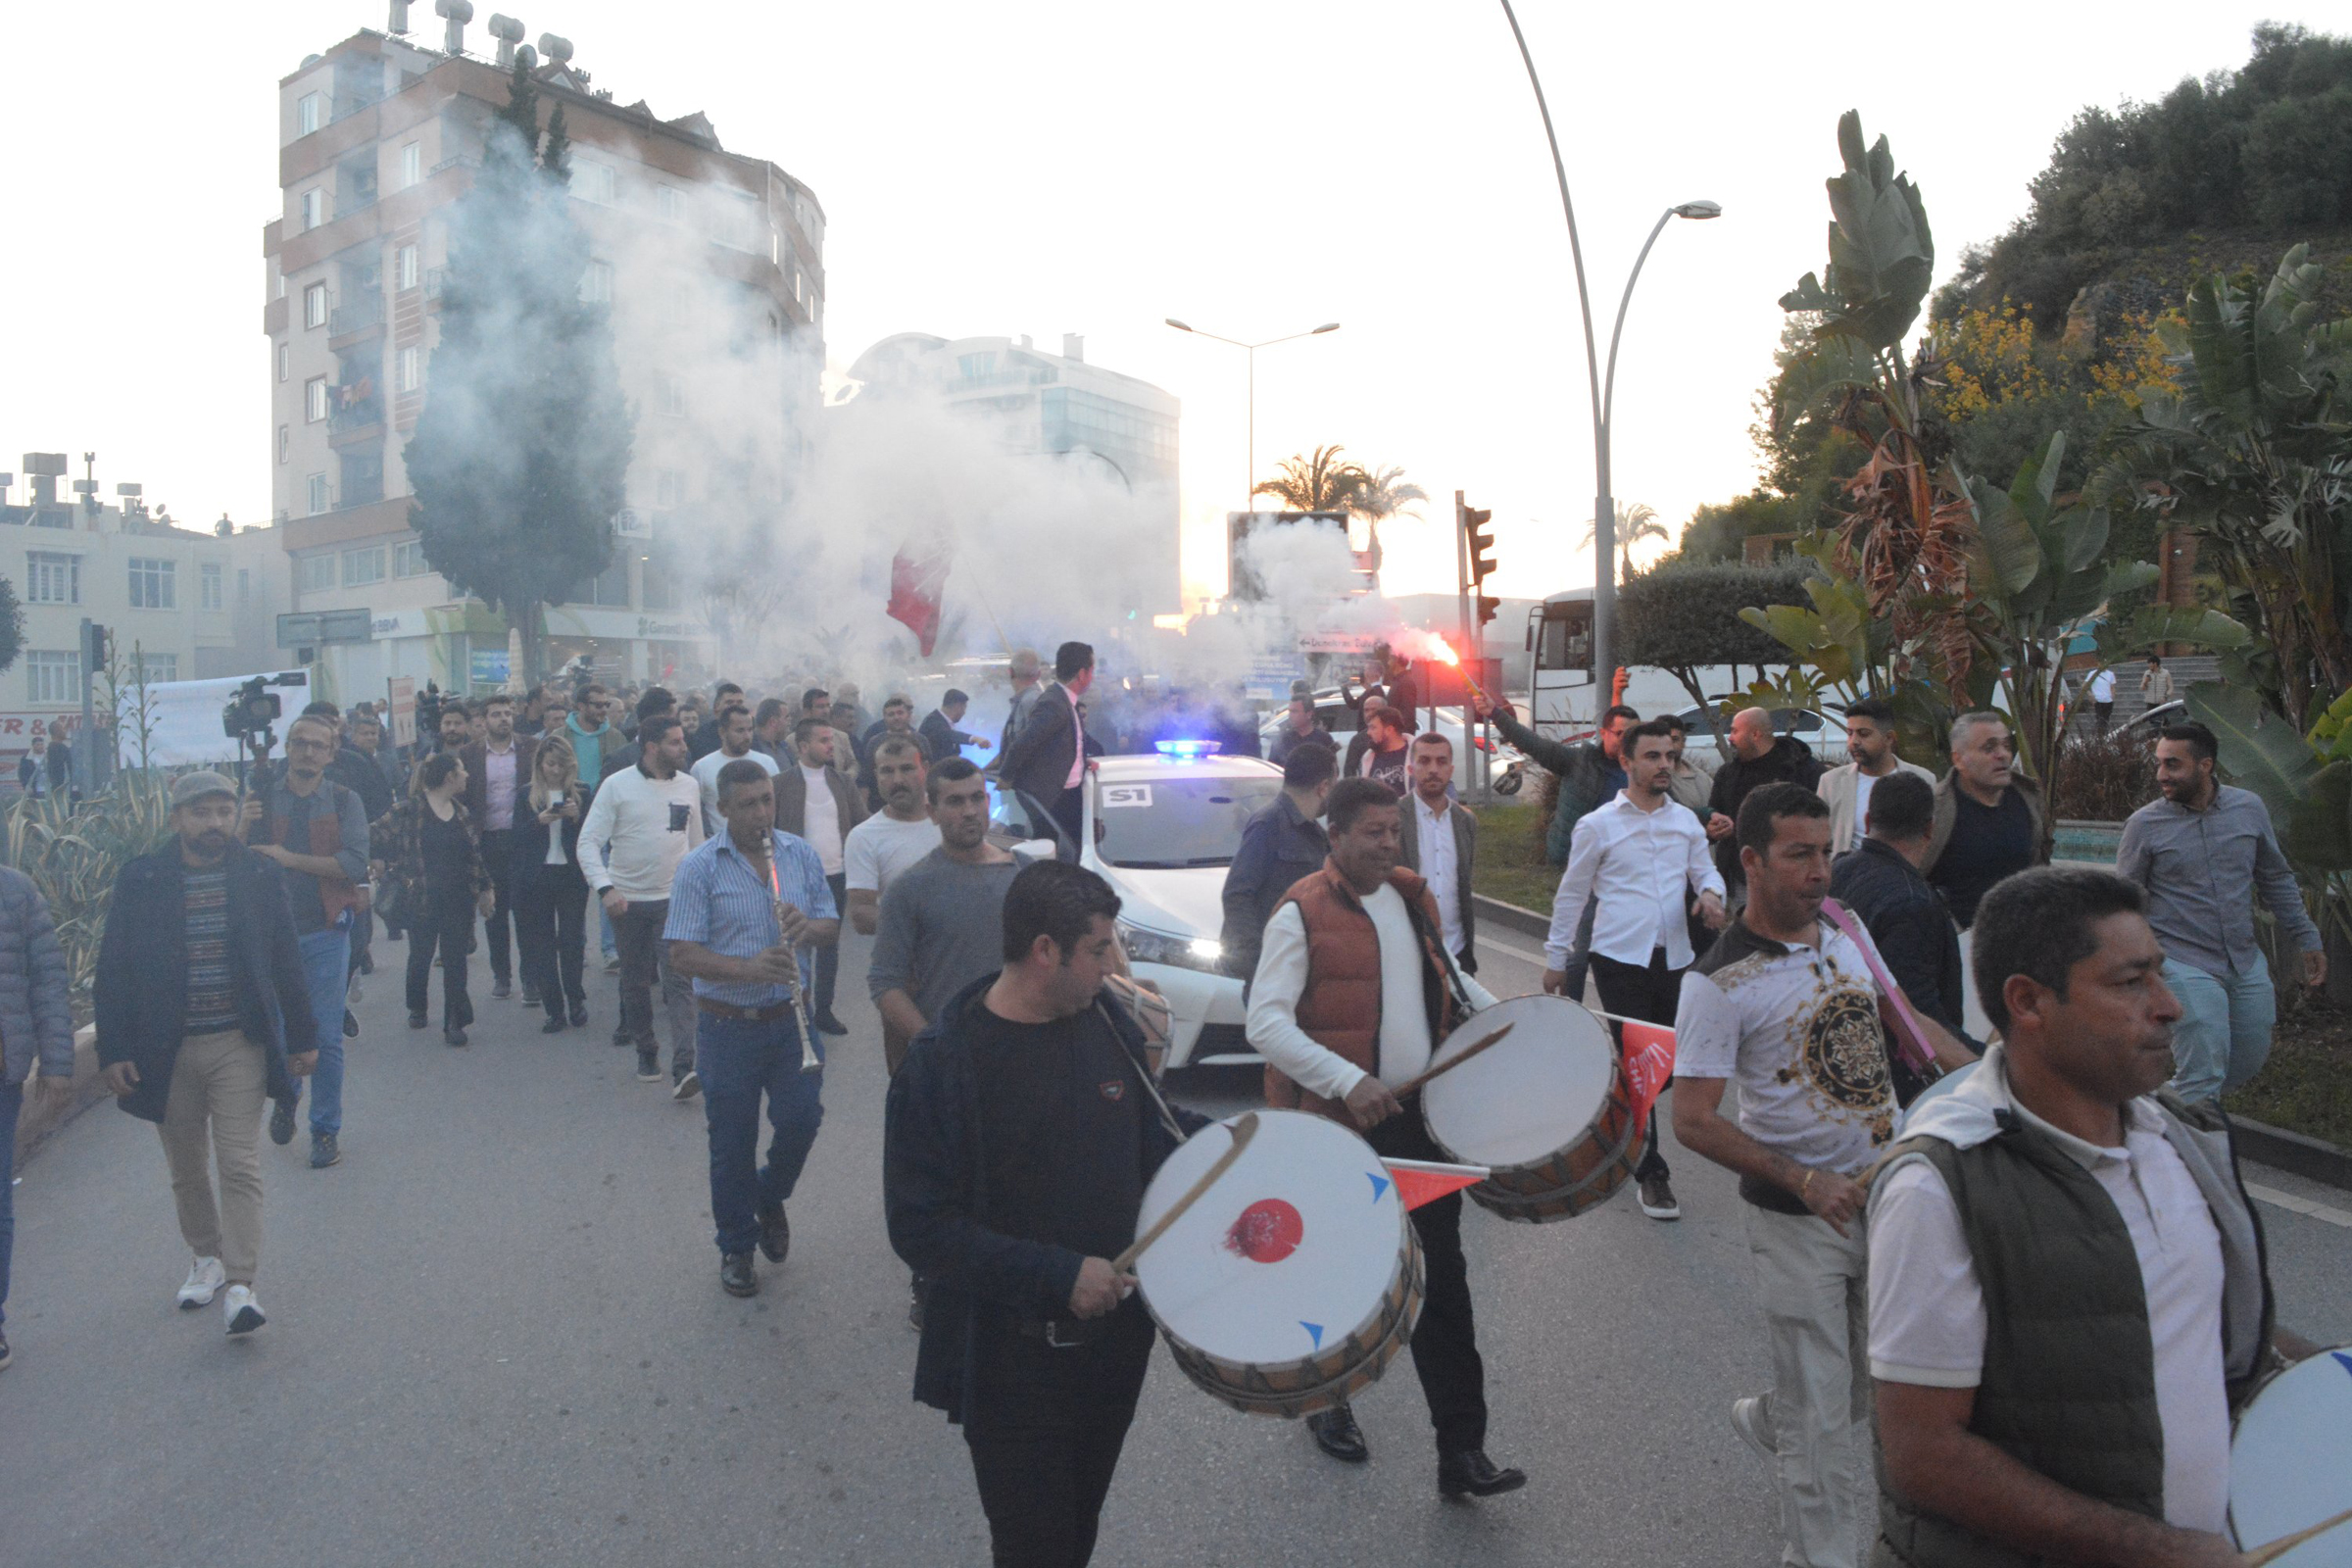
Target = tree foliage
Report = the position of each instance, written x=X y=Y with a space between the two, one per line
x=519 y=455
x=12 y=624
x=1683 y=618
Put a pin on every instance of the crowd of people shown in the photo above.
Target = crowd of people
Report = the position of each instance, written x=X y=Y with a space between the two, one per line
x=1945 y=1237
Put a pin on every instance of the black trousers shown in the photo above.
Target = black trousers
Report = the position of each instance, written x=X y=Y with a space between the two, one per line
x=1046 y=1435
x=1650 y=994
x=445 y=922
x=828 y=956
x=1069 y=810
x=498 y=858
x=551 y=921
x=1446 y=1358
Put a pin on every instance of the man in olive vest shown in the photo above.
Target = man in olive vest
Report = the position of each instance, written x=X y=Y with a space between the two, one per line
x=1355 y=990
x=2067 y=1294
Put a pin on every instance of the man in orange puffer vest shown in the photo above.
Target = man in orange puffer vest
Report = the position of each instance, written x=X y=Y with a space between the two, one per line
x=1355 y=990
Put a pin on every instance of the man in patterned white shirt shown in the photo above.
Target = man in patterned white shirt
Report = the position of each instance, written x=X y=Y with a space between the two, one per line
x=1784 y=1004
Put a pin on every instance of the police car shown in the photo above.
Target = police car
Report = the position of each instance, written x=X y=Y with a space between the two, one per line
x=1161 y=829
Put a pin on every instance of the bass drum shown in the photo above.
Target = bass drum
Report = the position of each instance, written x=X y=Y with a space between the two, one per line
x=1546 y=1109
x=2290 y=1461
x=1294 y=1280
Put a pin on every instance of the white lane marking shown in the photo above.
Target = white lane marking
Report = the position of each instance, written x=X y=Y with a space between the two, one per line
x=1523 y=954
x=2301 y=1205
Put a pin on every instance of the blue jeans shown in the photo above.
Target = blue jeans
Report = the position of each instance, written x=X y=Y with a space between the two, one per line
x=2223 y=1036
x=12 y=1102
x=326 y=972
x=739 y=1061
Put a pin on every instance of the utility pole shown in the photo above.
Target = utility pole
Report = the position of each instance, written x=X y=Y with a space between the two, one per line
x=1466 y=647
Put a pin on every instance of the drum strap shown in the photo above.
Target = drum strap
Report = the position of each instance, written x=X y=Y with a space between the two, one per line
x=1167 y=1118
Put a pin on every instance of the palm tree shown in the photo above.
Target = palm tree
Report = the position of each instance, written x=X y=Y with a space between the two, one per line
x=1320 y=483
x=1383 y=494
x=1634 y=524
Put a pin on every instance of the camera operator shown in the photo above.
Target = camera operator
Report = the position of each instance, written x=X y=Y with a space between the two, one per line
x=317 y=831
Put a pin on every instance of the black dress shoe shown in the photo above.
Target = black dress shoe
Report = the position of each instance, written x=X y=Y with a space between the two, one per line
x=830 y=1025
x=1471 y=1474
x=453 y=1035
x=775 y=1233
x=1338 y=1435
x=579 y=1015
x=416 y=1021
x=552 y=1026
x=736 y=1276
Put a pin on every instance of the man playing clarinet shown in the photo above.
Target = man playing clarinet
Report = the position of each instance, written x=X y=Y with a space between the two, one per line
x=1355 y=988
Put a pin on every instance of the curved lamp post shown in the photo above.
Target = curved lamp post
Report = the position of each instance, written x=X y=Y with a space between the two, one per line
x=1604 y=505
x=1249 y=489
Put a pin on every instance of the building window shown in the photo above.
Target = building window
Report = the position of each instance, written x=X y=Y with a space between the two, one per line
x=318 y=494
x=673 y=396
x=673 y=205
x=306 y=113
x=313 y=399
x=316 y=573
x=152 y=585
x=592 y=182
x=404 y=266
x=52 y=577
x=412 y=164
x=285 y=441
x=159 y=667
x=410 y=370
x=52 y=679
x=208 y=586
x=596 y=285
x=407 y=559
x=285 y=359
x=740 y=222
x=363 y=567
x=314 y=305
x=669 y=488
x=313 y=208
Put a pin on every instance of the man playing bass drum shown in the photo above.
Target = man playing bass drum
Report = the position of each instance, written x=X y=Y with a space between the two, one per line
x=1353 y=991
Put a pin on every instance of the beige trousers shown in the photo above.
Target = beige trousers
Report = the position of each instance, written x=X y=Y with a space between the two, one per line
x=219 y=1083
x=1816 y=1299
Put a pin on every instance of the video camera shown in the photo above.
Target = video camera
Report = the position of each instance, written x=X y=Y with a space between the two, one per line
x=428 y=717
x=250 y=712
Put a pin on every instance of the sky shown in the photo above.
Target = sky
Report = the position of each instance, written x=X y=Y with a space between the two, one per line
x=1253 y=167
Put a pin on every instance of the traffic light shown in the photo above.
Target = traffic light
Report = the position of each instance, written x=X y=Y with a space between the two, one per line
x=1482 y=543
x=97 y=647
x=1485 y=610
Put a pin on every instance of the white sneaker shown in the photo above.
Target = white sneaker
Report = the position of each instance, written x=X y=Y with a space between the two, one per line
x=243 y=1312
x=1754 y=1425
x=354 y=993
x=205 y=1280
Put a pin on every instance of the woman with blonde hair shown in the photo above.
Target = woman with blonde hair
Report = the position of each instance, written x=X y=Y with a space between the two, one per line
x=551 y=894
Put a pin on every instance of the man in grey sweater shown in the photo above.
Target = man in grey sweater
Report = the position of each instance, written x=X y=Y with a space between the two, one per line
x=941 y=921
x=2196 y=850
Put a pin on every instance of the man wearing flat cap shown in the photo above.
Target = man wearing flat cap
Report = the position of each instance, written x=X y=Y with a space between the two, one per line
x=203 y=1012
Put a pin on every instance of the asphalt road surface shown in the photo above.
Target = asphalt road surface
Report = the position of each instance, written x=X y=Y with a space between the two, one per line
x=497 y=1337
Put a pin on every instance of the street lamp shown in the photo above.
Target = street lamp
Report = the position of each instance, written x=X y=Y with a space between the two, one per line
x=1249 y=488
x=1604 y=505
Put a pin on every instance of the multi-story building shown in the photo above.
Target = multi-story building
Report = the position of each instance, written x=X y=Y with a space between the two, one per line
x=1057 y=403
x=184 y=604
x=710 y=260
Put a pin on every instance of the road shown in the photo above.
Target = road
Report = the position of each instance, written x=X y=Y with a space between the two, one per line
x=497 y=1338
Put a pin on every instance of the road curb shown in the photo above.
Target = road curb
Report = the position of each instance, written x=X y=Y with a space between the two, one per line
x=1511 y=917
x=2296 y=1154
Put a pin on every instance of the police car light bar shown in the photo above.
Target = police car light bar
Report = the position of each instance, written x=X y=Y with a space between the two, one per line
x=1189 y=751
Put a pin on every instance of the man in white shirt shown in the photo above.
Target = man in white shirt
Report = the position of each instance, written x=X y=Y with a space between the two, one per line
x=1870 y=742
x=1786 y=1003
x=1336 y=1046
x=736 y=734
x=1640 y=857
x=2102 y=696
x=642 y=823
x=1439 y=840
x=893 y=838
x=2067 y=1291
x=813 y=801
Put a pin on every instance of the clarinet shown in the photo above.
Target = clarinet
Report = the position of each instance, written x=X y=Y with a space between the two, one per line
x=810 y=1060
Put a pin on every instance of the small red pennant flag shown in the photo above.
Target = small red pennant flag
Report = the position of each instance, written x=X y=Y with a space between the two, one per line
x=1648 y=1065
x=918 y=583
x=1425 y=1181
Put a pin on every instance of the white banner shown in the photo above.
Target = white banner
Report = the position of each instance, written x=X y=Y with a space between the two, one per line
x=183 y=718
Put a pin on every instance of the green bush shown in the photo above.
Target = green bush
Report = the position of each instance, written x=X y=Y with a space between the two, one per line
x=74 y=853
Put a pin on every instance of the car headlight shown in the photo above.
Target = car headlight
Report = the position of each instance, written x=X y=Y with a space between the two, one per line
x=1145 y=945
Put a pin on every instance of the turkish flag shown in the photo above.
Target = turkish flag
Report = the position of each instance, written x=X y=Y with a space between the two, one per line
x=1648 y=1065
x=917 y=586
x=1425 y=1181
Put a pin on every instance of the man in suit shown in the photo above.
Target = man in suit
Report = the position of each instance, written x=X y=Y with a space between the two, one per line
x=817 y=804
x=1437 y=838
x=941 y=738
x=497 y=776
x=1047 y=759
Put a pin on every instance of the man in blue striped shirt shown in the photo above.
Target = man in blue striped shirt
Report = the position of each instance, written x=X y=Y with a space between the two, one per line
x=742 y=907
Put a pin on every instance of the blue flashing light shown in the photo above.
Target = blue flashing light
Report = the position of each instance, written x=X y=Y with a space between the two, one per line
x=1189 y=751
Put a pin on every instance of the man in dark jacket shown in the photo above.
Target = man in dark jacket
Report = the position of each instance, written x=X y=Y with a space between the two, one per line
x=37 y=1029
x=1758 y=758
x=1047 y=759
x=1591 y=772
x=1020 y=1134
x=204 y=1010
x=941 y=738
x=1300 y=728
x=657 y=703
x=1279 y=845
x=1906 y=918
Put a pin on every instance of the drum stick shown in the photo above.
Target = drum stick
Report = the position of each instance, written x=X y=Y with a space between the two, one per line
x=1450 y=1063
x=1242 y=1130
x=2286 y=1544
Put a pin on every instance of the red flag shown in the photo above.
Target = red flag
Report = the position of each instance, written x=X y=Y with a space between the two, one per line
x=917 y=586
x=1648 y=1065
x=1425 y=1181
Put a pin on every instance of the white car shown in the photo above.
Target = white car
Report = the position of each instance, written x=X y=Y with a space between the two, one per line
x=1161 y=831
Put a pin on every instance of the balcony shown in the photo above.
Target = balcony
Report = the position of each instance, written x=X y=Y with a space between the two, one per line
x=357 y=317
x=356 y=409
x=435 y=278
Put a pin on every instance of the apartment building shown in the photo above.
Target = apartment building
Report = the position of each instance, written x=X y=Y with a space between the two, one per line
x=712 y=265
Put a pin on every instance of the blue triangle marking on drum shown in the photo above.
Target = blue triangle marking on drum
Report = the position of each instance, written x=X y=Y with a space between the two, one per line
x=2341 y=1358
x=1314 y=1332
x=1379 y=1186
